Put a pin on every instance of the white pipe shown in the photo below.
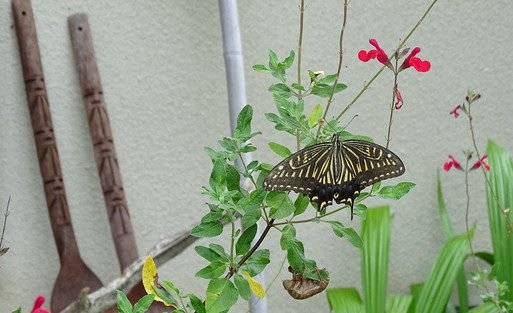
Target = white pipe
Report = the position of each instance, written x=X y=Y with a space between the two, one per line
x=237 y=96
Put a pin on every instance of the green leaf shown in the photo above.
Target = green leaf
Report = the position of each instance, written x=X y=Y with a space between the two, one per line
x=324 y=90
x=501 y=180
x=301 y=204
x=485 y=308
x=232 y=177
x=375 y=233
x=217 y=179
x=252 y=207
x=244 y=121
x=124 y=306
x=164 y=295
x=280 y=89
x=221 y=295
x=219 y=250
x=210 y=229
x=220 y=155
x=212 y=216
x=345 y=300
x=170 y=287
x=288 y=236
x=280 y=150
x=461 y=279
x=257 y=262
x=395 y=192
x=297 y=86
x=144 y=303
x=280 y=203
x=213 y=270
x=347 y=232
x=243 y=286
x=439 y=283
x=296 y=255
x=287 y=63
x=196 y=303
x=244 y=243
x=261 y=68
x=248 y=148
x=398 y=304
x=486 y=256
x=273 y=59
x=315 y=116
x=228 y=143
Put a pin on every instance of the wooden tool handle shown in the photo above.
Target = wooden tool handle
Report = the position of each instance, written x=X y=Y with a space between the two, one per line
x=42 y=126
x=101 y=134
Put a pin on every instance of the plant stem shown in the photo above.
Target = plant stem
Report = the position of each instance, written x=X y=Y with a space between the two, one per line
x=339 y=69
x=300 y=46
x=254 y=248
x=474 y=257
x=5 y=221
x=244 y=164
x=396 y=73
x=232 y=245
x=417 y=25
x=366 y=86
x=488 y=183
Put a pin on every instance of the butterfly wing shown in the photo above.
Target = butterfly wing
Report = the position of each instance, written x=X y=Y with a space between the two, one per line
x=300 y=171
x=363 y=164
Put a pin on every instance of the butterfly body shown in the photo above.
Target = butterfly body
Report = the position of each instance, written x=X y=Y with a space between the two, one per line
x=336 y=170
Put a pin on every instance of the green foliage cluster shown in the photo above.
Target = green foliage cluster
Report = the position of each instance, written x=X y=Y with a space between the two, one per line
x=228 y=201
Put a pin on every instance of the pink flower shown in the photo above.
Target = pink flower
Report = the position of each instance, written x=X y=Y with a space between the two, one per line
x=372 y=54
x=417 y=63
x=399 y=103
x=455 y=111
x=37 y=305
x=448 y=165
x=478 y=164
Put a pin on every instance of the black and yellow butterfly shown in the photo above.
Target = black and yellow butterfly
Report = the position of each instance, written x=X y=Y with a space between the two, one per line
x=336 y=170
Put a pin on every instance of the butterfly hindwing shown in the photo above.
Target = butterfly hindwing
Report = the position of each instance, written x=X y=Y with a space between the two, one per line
x=336 y=170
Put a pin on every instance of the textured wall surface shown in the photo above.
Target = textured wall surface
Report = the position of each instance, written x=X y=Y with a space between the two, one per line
x=162 y=69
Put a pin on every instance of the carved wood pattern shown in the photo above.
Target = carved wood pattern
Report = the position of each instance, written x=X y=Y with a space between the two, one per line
x=101 y=135
x=74 y=274
x=42 y=126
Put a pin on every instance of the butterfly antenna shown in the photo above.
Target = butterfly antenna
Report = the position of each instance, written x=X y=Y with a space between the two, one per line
x=355 y=116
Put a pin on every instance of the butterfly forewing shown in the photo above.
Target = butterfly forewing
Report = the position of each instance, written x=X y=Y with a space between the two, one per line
x=299 y=172
x=336 y=170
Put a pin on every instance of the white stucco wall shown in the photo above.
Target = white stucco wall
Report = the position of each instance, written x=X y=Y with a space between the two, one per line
x=162 y=69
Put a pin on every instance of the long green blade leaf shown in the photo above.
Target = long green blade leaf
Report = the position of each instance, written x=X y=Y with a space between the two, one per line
x=398 y=303
x=376 y=243
x=437 y=288
x=501 y=176
x=345 y=300
x=485 y=308
x=461 y=279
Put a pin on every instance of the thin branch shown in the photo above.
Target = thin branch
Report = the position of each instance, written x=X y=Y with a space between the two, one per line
x=5 y=221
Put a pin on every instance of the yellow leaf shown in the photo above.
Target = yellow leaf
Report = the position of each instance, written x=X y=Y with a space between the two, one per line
x=254 y=285
x=150 y=278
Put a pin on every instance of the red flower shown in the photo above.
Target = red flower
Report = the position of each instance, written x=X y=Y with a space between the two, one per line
x=372 y=54
x=448 y=165
x=455 y=111
x=37 y=305
x=399 y=103
x=417 y=63
x=478 y=164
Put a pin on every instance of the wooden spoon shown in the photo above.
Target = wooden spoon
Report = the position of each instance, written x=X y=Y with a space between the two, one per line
x=104 y=151
x=74 y=274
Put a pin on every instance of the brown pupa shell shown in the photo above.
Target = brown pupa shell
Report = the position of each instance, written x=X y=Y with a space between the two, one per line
x=300 y=287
